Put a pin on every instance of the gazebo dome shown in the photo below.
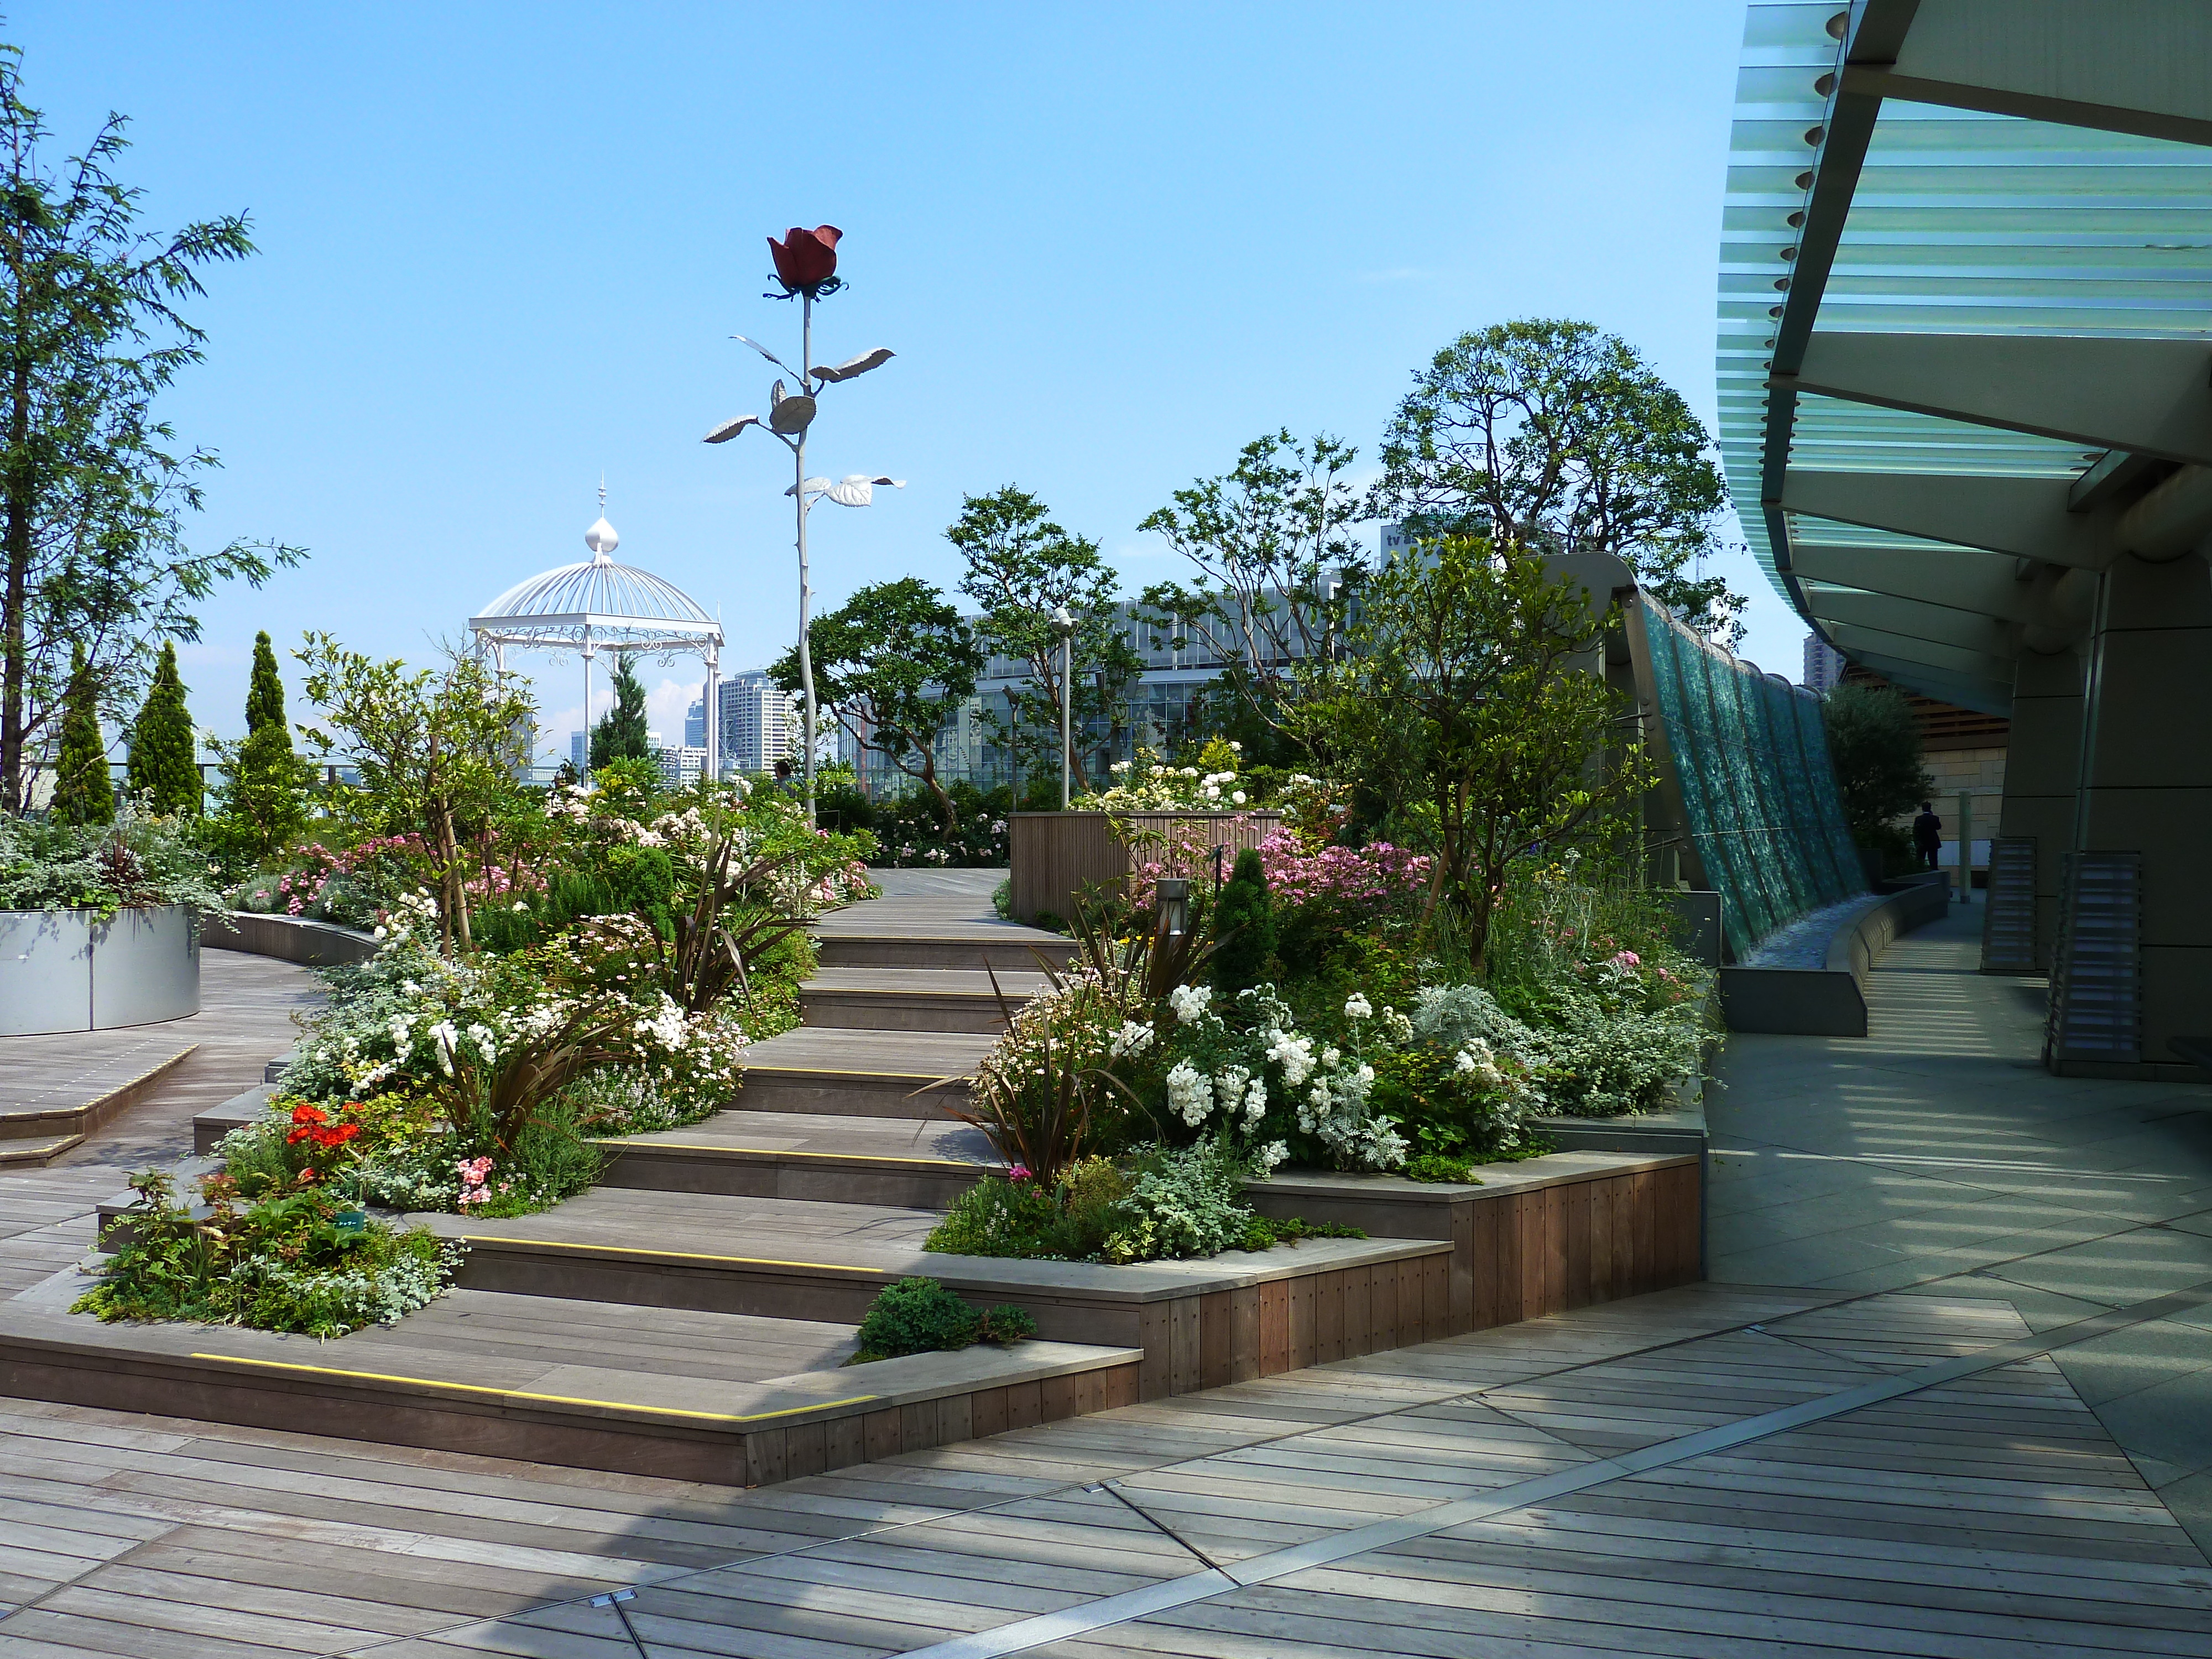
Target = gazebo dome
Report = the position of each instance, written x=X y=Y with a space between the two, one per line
x=597 y=592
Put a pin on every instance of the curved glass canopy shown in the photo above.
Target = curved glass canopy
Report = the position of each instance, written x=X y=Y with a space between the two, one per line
x=1948 y=225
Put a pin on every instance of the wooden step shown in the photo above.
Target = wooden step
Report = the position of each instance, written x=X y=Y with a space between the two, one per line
x=914 y=999
x=241 y=1109
x=895 y=1162
x=1008 y=948
x=23 y=1153
x=634 y=1389
x=73 y=1097
x=851 y=1072
x=1199 y=1324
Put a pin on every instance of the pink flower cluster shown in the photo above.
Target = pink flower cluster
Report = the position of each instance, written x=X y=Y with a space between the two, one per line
x=1366 y=877
x=474 y=1172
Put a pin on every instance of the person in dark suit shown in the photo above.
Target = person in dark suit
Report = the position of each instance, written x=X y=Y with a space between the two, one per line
x=1928 y=835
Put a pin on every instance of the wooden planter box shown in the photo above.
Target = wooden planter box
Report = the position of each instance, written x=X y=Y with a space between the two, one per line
x=1055 y=855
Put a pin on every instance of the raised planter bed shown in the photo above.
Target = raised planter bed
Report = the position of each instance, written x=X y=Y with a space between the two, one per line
x=70 y=970
x=294 y=938
x=1054 y=856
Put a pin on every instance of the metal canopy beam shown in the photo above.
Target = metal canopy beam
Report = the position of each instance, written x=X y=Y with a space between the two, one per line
x=2149 y=397
x=1853 y=638
x=1984 y=583
x=1929 y=624
x=2134 y=66
x=1983 y=696
x=1878 y=32
x=2027 y=517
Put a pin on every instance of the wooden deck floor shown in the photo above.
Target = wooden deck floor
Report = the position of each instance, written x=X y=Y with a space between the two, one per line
x=1983 y=1514
x=245 y=1020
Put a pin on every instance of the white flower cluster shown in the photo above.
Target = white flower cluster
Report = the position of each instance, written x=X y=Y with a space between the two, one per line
x=1189 y=1002
x=1133 y=1038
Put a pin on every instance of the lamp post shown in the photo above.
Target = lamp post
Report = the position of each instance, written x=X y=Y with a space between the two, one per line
x=806 y=267
x=1063 y=624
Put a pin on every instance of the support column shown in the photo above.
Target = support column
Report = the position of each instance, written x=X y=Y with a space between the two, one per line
x=2146 y=783
x=2042 y=767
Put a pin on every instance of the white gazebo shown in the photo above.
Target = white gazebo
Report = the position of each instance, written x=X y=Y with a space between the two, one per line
x=600 y=606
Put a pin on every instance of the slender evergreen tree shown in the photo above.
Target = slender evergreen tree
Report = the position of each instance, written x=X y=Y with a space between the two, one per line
x=265 y=693
x=620 y=734
x=264 y=798
x=1244 y=922
x=163 y=766
x=81 y=792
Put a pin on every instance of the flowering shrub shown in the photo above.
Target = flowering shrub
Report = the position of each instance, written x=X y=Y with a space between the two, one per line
x=139 y=860
x=445 y=1060
x=1147 y=785
x=280 y=1263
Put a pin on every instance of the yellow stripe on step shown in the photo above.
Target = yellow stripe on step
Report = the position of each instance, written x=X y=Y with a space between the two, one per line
x=660 y=1255
x=519 y=1394
x=779 y=1151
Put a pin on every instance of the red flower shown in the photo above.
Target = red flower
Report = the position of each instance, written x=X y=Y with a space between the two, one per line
x=804 y=259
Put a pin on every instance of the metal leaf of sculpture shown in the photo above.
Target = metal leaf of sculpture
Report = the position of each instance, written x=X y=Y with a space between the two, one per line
x=853 y=489
x=729 y=429
x=763 y=351
x=852 y=366
x=789 y=414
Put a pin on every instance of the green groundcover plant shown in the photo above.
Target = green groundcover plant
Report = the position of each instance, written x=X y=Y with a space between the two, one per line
x=921 y=1316
x=1154 y=1203
x=299 y=1258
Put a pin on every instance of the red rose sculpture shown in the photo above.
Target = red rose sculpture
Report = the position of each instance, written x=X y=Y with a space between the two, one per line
x=805 y=260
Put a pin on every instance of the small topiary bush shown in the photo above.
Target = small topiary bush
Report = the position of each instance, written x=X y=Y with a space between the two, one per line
x=920 y=1315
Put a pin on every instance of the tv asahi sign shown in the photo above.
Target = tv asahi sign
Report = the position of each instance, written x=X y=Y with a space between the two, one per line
x=1400 y=543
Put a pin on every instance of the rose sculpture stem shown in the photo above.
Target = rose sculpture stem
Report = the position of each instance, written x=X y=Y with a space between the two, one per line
x=805 y=593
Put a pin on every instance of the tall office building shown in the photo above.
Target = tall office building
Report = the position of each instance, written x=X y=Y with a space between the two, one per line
x=759 y=724
x=695 y=724
x=680 y=768
x=578 y=748
x=1824 y=665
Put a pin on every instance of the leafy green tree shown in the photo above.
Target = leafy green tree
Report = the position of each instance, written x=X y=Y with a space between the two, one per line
x=82 y=793
x=1874 y=744
x=1273 y=545
x=620 y=733
x=1022 y=567
x=439 y=751
x=93 y=489
x=1467 y=707
x=1548 y=436
x=1244 y=923
x=264 y=800
x=891 y=663
x=164 y=755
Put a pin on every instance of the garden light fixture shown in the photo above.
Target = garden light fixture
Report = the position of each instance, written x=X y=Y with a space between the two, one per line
x=1063 y=624
x=1171 y=907
x=806 y=267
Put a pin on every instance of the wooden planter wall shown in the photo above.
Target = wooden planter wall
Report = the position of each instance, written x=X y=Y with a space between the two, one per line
x=1055 y=855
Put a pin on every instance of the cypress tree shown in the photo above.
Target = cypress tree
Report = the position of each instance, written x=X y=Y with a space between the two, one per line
x=1244 y=922
x=263 y=797
x=620 y=734
x=163 y=766
x=264 y=694
x=81 y=792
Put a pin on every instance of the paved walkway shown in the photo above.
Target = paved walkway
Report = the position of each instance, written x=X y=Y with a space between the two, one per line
x=1937 y=1157
x=1958 y=1333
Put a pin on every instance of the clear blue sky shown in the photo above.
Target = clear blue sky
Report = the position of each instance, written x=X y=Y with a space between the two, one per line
x=503 y=248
